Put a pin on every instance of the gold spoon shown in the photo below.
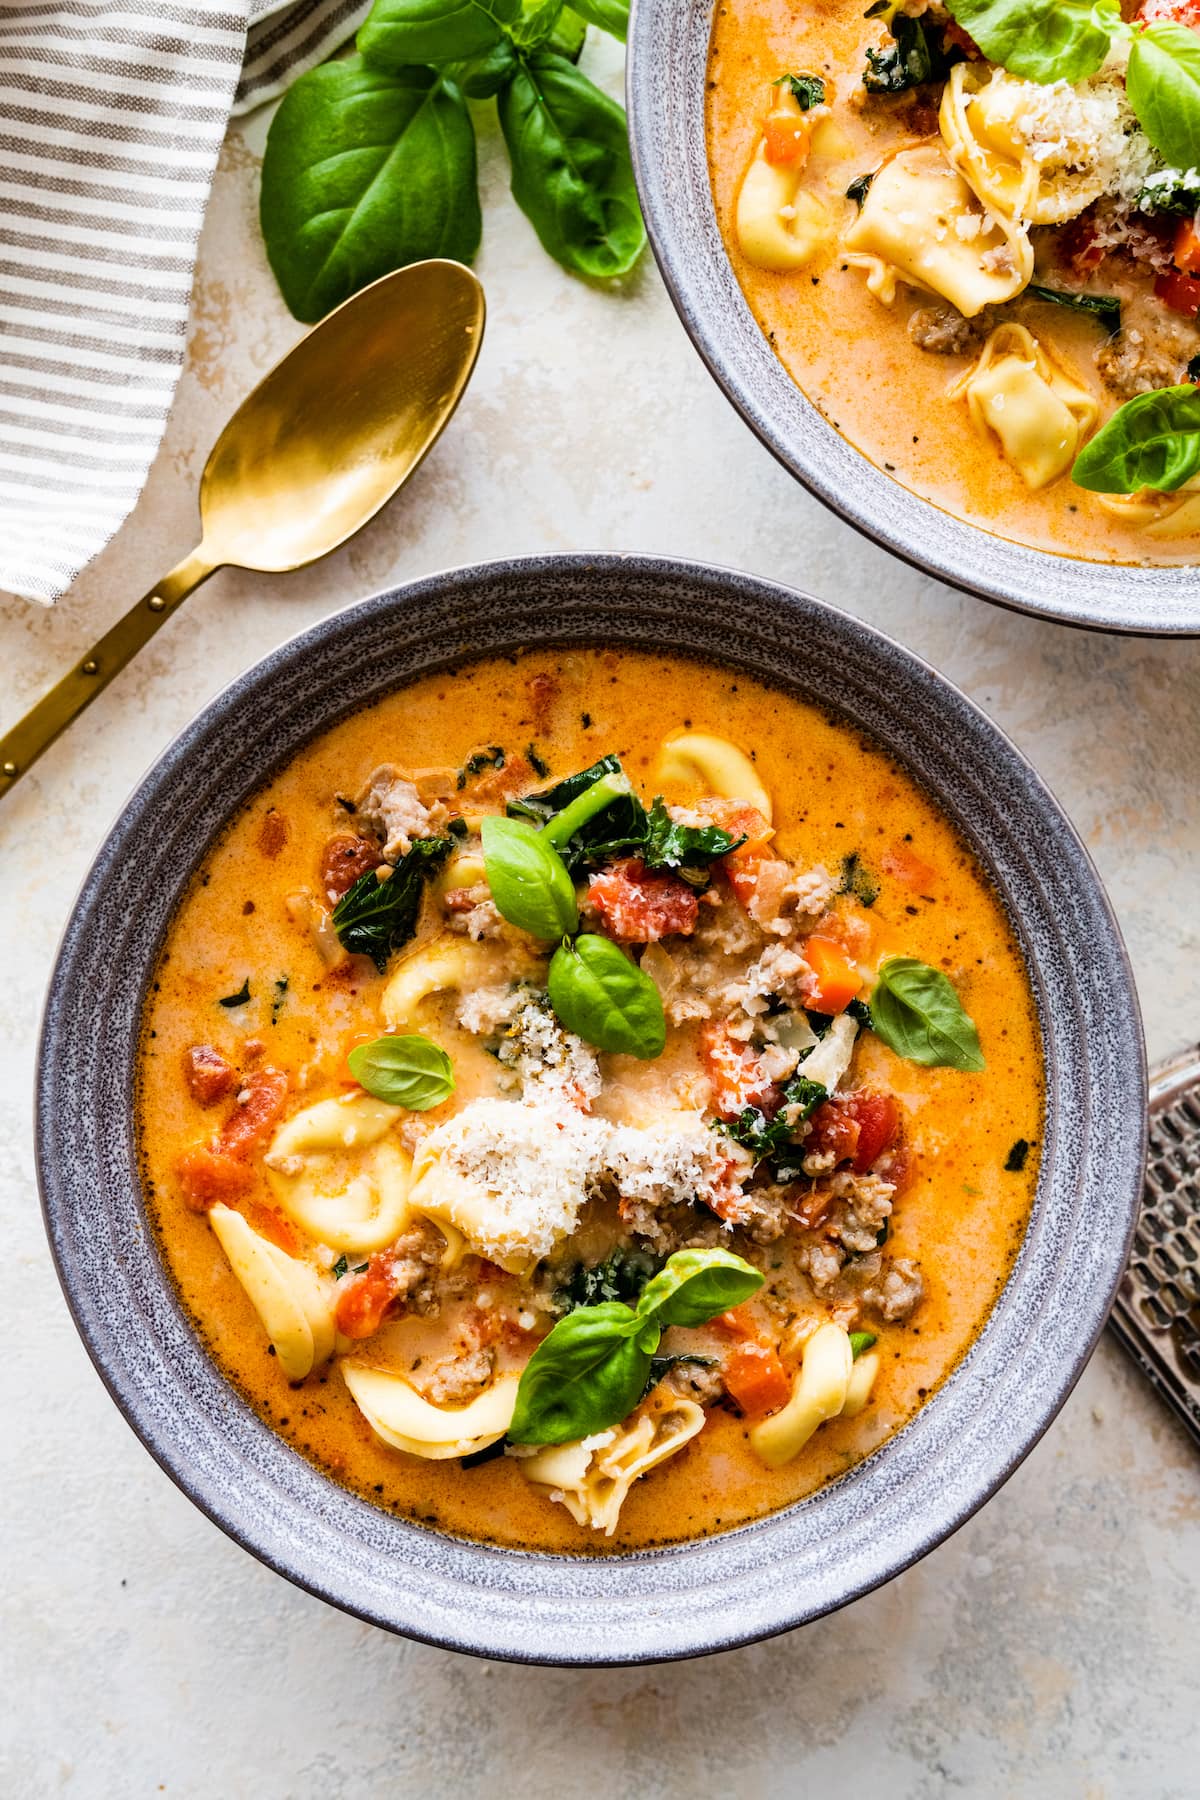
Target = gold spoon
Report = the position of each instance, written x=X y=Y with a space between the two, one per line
x=320 y=445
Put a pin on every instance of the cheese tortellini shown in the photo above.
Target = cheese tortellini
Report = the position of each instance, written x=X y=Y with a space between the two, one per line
x=696 y=757
x=1158 y=515
x=920 y=223
x=448 y=965
x=1032 y=401
x=829 y=1383
x=981 y=124
x=294 y=1302
x=780 y=224
x=593 y=1476
x=407 y=1421
x=337 y=1173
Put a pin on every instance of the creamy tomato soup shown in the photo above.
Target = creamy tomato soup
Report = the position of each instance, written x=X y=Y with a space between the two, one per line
x=589 y=1100
x=988 y=284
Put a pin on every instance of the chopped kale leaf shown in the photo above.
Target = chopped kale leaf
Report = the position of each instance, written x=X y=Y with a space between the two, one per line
x=491 y=758
x=916 y=54
x=807 y=90
x=238 y=999
x=621 y=1276
x=376 y=917
x=538 y=764
x=1105 y=307
x=340 y=1267
x=623 y=827
x=754 y=1131
x=858 y=880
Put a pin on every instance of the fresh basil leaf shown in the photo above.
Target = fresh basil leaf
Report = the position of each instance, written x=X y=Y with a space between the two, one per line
x=238 y=999
x=604 y=998
x=1043 y=40
x=535 y=23
x=480 y=77
x=1162 y=82
x=695 y=1285
x=606 y=15
x=860 y=1342
x=1105 y=307
x=364 y=172
x=530 y=885
x=571 y=170
x=1153 y=441
x=376 y=917
x=917 y=1013
x=588 y=1374
x=399 y=33
x=404 y=1071
x=806 y=90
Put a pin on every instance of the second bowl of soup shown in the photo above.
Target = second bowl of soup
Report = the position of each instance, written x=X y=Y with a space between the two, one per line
x=951 y=294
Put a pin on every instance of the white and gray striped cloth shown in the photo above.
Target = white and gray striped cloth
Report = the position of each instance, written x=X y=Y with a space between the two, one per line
x=111 y=117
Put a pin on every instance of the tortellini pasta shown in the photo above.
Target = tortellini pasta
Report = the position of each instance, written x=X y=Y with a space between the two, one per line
x=1158 y=515
x=294 y=1302
x=780 y=224
x=1031 y=400
x=447 y=965
x=714 y=764
x=593 y=1476
x=920 y=223
x=407 y=1421
x=981 y=125
x=339 y=1176
x=827 y=1382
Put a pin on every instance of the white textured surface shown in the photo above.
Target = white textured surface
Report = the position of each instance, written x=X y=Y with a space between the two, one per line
x=1048 y=1649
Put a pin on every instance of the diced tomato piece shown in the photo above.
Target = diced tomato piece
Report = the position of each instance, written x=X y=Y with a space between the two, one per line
x=640 y=905
x=743 y=865
x=260 y=1103
x=735 y=1073
x=836 y=980
x=856 y=1127
x=1186 y=248
x=364 y=1302
x=756 y=1378
x=271 y=1224
x=208 y=1075
x=344 y=860
x=208 y=1174
x=786 y=139
x=907 y=868
x=1170 y=12
x=1179 y=291
x=954 y=37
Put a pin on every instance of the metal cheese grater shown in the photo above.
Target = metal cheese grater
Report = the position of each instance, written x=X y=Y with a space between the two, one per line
x=1156 y=1314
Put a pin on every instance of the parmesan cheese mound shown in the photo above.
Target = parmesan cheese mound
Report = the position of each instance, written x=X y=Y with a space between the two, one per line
x=1089 y=129
x=513 y=1175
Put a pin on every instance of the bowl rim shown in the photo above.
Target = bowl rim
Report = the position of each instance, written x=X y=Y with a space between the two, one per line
x=667 y=143
x=727 y=1560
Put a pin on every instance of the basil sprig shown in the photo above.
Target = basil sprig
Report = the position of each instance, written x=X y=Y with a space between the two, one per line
x=918 y=1014
x=592 y=1370
x=1043 y=40
x=1153 y=441
x=404 y=1071
x=376 y=916
x=595 y=816
x=600 y=994
x=529 y=882
x=370 y=162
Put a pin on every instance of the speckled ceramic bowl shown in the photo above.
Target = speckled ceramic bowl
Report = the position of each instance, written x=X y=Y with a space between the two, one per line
x=691 y=1598
x=667 y=68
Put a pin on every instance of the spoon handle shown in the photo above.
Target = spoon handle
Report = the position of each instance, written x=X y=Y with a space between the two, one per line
x=21 y=747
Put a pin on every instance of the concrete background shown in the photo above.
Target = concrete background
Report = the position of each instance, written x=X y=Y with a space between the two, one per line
x=1049 y=1648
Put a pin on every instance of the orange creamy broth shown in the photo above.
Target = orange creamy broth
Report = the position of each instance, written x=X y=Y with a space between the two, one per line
x=852 y=355
x=962 y=1218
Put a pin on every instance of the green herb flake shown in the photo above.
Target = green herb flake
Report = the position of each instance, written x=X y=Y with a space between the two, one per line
x=858 y=880
x=360 y=1268
x=238 y=999
x=1104 y=307
x=281 y=988
x=538 y=764
x=340 y=1267
x=860 y=1342
x=491 y=758
x=860 y=187
x=1015 y=1161
x=807 y=90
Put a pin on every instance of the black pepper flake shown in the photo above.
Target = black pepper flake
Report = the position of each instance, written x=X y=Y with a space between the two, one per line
x=1014 y=1162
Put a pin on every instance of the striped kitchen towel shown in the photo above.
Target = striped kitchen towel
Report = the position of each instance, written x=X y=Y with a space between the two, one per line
x=112 y=114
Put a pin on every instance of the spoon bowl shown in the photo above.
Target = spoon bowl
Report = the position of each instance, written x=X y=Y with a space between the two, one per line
x=322 y=443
